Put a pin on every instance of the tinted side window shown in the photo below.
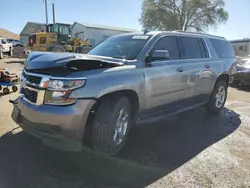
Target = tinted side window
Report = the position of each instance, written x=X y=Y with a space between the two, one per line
x=170 y=44
x=191 y=48
x=204 y=48
x=223 y=48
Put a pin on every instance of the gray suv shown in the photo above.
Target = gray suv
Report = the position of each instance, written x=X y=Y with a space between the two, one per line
x=126 y=80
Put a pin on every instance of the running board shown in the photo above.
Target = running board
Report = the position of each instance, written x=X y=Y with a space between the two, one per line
x=164 y=114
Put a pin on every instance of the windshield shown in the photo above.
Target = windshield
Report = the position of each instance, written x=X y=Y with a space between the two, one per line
x=64 y=29
x=55 y=28
x=122 y=47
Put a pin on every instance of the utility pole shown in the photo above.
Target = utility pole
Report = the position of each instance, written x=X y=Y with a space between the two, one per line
x=53 y=10
x=46 y=14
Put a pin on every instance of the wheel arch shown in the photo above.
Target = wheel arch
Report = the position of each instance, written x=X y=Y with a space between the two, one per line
x=130 y=94
x=224 y=76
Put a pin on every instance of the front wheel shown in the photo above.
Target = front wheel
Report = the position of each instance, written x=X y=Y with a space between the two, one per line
x=111 y=125
x=218 y=97
x=6 y=91
x=1 y=54
x=58 y=49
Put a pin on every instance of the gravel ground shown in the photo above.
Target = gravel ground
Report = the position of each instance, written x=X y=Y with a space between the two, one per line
x=191 y=149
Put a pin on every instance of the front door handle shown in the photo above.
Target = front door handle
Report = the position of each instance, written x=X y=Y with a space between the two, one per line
x=207 y=66
x=180 y=69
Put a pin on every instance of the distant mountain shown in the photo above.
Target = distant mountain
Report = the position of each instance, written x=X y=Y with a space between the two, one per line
x=8 y=34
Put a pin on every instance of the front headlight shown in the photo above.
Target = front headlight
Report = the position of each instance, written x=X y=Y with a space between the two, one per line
x=58 y=91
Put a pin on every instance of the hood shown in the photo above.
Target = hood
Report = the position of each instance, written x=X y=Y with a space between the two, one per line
x=45 y=60
x=63 y=64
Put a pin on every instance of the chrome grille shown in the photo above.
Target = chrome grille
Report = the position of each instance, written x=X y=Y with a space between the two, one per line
x=32 y=79
x=29 y=94
x=30 y=88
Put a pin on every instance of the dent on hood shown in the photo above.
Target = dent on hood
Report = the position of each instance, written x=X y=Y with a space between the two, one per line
x=76 y=66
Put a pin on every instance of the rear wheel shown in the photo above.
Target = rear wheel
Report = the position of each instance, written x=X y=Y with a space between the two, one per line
x=0 y=88
x=218 y=97
x=6 y=90
x=14 y=88
x=111 y=125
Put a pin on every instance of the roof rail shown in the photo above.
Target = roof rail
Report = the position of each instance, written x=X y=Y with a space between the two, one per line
x=195 y=33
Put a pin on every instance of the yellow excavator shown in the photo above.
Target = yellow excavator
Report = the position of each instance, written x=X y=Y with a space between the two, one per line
x=57 y=38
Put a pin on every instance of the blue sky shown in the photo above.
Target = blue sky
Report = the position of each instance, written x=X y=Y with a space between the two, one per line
x=122 y=13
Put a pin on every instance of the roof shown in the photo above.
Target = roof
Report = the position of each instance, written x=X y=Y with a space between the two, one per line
x=199 y=34
x=8 y=34
x=32 y=27
x=105 y=27
x=184 y=33
x=240 y=41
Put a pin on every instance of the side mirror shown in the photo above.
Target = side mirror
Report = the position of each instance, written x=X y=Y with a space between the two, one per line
x=160 y=55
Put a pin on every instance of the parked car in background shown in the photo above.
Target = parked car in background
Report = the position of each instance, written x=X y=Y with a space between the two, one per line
x=242 y=78
x=126 y=80
x=15 y=43
x=5 y=47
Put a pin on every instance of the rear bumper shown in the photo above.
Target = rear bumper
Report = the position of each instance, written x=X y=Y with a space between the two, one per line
x=61 y=127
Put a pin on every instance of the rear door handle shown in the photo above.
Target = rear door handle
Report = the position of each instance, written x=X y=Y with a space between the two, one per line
x=207 y=66
x=180 y=69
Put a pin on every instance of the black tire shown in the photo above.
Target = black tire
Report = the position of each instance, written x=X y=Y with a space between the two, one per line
x=211 y=104
x=11 y=53
x=6 y=90
x=1 y=88
x=58 y=49
x=14 y=88
x=1 y=54
x=104 y=125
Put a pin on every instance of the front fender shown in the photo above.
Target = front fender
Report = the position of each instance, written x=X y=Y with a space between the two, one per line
x=107 y=82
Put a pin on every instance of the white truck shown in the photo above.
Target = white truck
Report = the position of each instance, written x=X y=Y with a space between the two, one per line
x=5 y=47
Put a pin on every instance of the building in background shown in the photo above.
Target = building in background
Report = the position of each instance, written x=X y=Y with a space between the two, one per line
x=8 y=34
x=30 y=28
x=96 y=33
x=241 y=47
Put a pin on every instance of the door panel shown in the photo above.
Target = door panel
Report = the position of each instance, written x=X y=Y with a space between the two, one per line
x=165 y=85
x=197 y=63
x=199 y=81
x=165 y=80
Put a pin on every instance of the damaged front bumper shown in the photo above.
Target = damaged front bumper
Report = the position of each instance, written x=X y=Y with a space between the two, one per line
x=60 y=127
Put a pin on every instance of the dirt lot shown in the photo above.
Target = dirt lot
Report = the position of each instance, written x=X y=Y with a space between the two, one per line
x=192 y=149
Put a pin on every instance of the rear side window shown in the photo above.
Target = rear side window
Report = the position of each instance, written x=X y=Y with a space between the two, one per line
x=223 y=48
x=170 y=44
x=192 y=48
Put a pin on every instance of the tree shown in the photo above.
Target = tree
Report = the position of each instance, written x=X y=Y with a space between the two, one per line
x=195 y=15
